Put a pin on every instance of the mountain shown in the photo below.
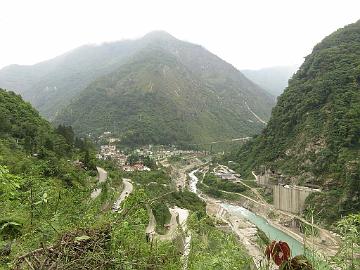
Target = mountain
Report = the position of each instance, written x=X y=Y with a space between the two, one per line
x=272 y=79
x=170 y=91
x=313 y=136
x=51 y=84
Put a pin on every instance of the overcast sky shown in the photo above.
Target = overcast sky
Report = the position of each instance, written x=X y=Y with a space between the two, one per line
x=246 y=33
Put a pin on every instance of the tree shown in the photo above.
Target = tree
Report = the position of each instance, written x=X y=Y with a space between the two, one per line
x=67 y=132
x=149 y=162
x=89 y=160
x=350 y=246
x=133 y=158
x=9 y=184
x=5 y=124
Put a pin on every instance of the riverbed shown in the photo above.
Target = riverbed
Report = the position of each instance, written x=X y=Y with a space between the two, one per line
x=272 y=232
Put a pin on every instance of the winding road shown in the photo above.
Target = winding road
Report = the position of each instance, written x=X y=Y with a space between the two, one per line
x=102 y=176
x=128 y=188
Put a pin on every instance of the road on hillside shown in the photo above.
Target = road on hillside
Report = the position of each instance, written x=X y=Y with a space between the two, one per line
x=256 y=116
x=150 y=229
x=102 y=176
x=128 y=188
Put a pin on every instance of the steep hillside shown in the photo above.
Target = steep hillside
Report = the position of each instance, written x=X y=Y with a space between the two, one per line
x=313 y=136
x=34 y=170
x=272 y=79
x=51 y=84
x=171 y=92
x=22 y=128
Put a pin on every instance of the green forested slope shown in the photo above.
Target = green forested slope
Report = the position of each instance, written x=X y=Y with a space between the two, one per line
x=41 y=191
x=46 y=210
x=188 y=71
x=157 y=98
x=51 y=84
x=21 y=126
x=313 y=136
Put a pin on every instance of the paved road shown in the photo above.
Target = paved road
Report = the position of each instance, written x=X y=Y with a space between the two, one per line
x=102 y=176
x=128 y=188
x=183 y=215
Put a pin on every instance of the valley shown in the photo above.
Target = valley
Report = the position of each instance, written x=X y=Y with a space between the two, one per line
x=153 y=153
x=246 y=224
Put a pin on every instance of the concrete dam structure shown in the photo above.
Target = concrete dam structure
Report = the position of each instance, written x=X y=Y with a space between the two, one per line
x=291 y=198
x=267 y=178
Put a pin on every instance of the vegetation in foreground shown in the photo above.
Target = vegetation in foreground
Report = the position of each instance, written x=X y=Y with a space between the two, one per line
x=48 y=219
x=214 y=249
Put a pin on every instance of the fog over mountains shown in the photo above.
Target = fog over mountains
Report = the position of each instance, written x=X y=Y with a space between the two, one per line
x=273 y=79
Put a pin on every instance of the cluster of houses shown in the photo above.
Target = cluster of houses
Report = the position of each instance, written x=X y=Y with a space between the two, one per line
x=109 y=151
x=135 y=167
x=166 y=153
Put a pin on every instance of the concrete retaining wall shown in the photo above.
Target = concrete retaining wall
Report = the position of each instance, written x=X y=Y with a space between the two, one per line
x=291 y=198
x=267 y=178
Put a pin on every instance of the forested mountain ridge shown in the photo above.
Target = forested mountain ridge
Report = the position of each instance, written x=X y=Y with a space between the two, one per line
x=313 y=136
x=170 y=92
x=52 y=84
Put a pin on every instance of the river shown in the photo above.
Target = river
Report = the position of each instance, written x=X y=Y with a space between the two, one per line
x=272 y=232
x=193 y=182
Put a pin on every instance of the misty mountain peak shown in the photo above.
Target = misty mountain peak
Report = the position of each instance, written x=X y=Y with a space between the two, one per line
x=159 y=35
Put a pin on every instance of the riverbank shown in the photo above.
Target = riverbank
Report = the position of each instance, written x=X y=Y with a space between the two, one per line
x=243 y=229
x=323 y=244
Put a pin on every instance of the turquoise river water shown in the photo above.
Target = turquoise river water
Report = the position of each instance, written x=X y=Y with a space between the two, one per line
x=273 y=233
